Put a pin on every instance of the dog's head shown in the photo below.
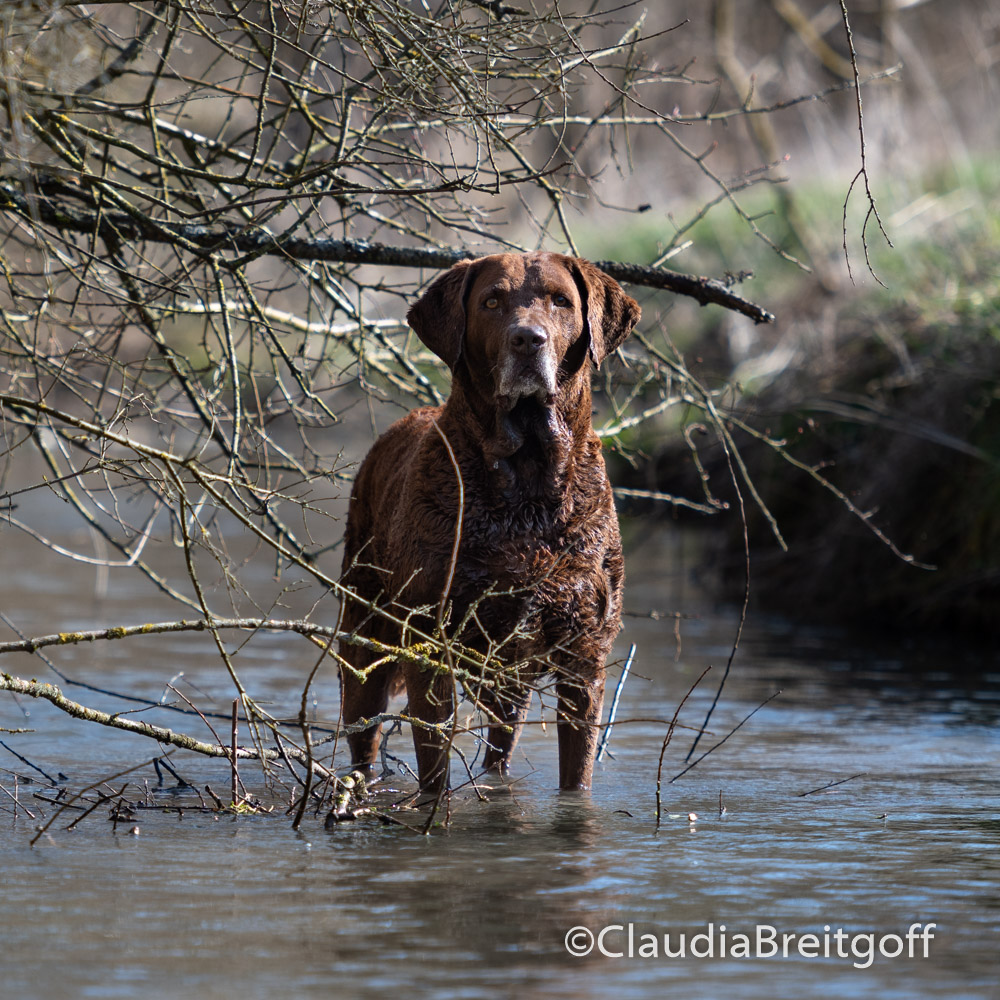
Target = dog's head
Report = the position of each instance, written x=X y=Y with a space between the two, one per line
x=523 y=322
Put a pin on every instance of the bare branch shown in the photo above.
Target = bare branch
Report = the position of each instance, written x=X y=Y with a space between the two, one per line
x=862 y=174
x=136 y=228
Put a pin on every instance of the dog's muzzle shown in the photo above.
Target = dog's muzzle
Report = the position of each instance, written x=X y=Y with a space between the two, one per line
x=528 y=366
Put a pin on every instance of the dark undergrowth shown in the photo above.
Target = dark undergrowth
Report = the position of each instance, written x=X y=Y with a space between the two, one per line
x=892 y=396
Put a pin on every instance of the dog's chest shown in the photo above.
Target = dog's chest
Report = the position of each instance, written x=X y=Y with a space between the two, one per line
x=542 y=572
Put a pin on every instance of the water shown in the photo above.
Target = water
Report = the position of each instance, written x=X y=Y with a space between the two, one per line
x=220 y=906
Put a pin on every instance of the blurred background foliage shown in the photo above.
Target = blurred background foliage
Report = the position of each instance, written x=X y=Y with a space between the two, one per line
x=215 y=214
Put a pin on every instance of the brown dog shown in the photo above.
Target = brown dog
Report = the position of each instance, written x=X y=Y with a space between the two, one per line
x=490 y=519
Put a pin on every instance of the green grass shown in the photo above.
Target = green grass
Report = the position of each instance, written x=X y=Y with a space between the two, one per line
x=944 y=263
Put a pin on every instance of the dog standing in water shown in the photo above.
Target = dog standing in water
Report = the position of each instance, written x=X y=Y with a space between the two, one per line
x=511 y=471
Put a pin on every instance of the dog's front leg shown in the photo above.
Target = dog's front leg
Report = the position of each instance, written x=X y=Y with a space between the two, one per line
x=364 y=700
x=579 y=721
x=510 y=709
x=431 y=700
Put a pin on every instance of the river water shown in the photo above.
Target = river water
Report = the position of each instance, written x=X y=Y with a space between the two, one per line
x=221 y=906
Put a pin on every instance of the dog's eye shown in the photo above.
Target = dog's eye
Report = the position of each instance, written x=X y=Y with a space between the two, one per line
x=560 y=300
x=492 y=302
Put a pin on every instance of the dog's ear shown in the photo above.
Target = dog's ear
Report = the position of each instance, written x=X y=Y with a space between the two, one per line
x=609 y=315
x=438 y=316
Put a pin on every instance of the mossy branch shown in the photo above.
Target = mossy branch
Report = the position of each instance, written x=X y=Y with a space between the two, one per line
x=51 y=693
x=168 y=737
x=419 y=654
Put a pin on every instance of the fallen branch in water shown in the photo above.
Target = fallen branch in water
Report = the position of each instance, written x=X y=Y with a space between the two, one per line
x=51 y=693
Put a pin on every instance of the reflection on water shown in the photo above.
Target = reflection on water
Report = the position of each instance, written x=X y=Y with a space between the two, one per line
x=203 y=906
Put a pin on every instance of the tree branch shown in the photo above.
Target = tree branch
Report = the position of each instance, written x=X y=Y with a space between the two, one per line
x=139 y=228
x=50 y=693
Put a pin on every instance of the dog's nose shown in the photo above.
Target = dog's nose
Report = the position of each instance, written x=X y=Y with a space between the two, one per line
x=528 y=340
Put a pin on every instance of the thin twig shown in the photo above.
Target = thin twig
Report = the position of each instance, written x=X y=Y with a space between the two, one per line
x=862 y=174
x=612 y=714
x=442 y=605
x=831 y=784
x=726 y=737
x=666 y=742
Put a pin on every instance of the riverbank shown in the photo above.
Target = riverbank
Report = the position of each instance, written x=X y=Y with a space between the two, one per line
x=874 y=441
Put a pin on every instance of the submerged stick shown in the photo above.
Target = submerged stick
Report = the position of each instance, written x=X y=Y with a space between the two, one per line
x=666 y=743
x=606 y=738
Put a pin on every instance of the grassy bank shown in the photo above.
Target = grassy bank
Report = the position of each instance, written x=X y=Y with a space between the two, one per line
x=887 y=395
